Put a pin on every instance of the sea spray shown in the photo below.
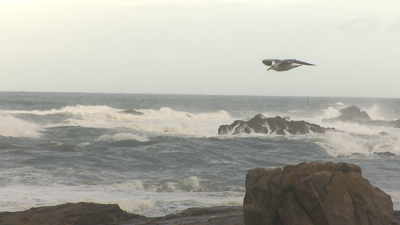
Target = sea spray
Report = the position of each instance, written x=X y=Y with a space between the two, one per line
x=83 y=147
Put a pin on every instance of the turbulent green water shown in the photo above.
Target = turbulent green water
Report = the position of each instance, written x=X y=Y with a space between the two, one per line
x=71 y=147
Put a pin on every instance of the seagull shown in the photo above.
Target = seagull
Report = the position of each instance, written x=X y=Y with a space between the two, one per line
x=284 y=64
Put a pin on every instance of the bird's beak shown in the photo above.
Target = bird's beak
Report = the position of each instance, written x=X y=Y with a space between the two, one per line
x=268 y=68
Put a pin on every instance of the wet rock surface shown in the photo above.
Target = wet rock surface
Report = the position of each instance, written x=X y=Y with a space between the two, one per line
x=100 y=214
x=83 y=213
x=220 y=215
x=305 y=194
x=314 y=194
x=271 y=125
x=353 y=114
x=133 y=112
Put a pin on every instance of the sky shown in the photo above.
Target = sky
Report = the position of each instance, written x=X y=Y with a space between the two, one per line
x=210 y=47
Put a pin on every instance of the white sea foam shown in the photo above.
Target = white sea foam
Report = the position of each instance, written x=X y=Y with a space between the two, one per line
x=14 y=127
x=131 y=196
x=339 y=144
x=395 y=194
x=69 y=110
x=191 y=183
x=164 y=121
x=375 y=113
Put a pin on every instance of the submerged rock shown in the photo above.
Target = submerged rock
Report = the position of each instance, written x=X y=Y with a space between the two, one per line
x=385 y=154
x=272 y=125
x=314 y=194
x=133 y=112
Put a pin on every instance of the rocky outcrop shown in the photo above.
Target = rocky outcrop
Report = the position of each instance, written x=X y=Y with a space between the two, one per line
x=71 y=213
x=219 y=215
x=353 y=114
x=305 y=194
x=133 y=112
x=99 y=214
x=273 y=125
x=314 y=194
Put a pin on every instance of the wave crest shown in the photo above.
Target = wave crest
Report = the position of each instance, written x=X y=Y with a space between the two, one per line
x=14 y=127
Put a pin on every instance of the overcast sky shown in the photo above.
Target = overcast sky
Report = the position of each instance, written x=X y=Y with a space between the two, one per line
x=201 y=47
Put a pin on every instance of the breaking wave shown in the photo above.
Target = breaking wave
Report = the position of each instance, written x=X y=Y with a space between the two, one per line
x=14 y=127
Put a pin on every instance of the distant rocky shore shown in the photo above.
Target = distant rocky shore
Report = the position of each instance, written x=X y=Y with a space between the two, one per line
x=272 y=125
x=305 y=194
x=283 y=125
x=353 y=114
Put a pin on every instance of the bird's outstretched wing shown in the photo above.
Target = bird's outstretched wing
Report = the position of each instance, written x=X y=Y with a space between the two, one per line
x=298 y=62
x=269 y=62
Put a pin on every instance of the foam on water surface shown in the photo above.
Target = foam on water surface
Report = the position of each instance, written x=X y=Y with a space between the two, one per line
x=14 y=127
x=171 y=157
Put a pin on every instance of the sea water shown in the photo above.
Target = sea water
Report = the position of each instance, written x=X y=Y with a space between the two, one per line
x=71 y=147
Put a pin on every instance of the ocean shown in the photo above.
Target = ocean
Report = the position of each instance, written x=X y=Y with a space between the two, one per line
x=71 y=147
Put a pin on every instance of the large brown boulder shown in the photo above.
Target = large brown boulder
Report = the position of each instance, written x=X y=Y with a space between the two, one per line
x=71 y=213
x=271 y=125
x=314 y=194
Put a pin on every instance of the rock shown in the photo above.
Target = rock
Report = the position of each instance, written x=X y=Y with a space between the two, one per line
x=284 y=205
x=219 y=215
x=385 y=154
x=314 y=194
x=133 y=112
x=396 y=218
x=353 y=114
x=396 y=124
x=70 y=213
x=275 y=125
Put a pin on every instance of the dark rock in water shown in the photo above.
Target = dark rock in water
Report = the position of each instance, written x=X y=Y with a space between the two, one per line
x=350 y=114
x=396 y=218
x=353 y=114
x=314 y=194
x=71 y=213
x=385 y=154
x=133 y=112
x=272 y=125
x=219 y=215
x=305 y=194
x=383 y=133
x=99 y=214
x=396 y=124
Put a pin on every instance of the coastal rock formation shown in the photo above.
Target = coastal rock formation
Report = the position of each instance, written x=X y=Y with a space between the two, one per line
x=219 y=215
x=353 y=114
x=99 y=214
x=71 y=213
x=314 y=194
x=133 y=112
x=305 y=194
x=272 y=125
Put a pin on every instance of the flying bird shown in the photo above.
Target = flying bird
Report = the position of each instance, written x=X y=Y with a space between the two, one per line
x=284 y=64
